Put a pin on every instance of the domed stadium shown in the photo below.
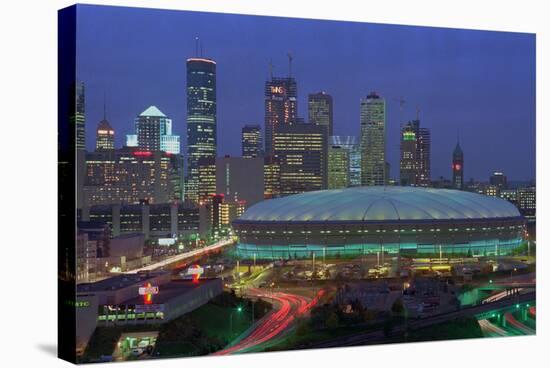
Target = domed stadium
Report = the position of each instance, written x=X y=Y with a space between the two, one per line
x=364 y=220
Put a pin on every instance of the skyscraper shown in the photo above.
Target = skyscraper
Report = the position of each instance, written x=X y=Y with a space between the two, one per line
x=301 y=150
x=148 y=128
x=207 y=178
x=351 y=144
x=78 y=121
x=251 y=141
x=338 y=167
x=280 y=107
x=201 y=119
x=320 y=110
x=458 y=167
x=414 y=165
x=527 y=202
x=105 y=136
x=240 y=178
x=272 y=177
x=499 y=179
x=373 y=140
x=77 y=114
x=154 y=132
x=128 y=175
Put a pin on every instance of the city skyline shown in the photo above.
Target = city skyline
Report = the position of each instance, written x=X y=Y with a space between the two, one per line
x=477 y=81
x=270 y=184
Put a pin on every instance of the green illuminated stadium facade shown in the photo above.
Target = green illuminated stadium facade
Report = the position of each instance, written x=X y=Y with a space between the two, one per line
x=365 y=220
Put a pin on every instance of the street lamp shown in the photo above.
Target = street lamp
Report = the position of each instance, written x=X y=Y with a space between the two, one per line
x=239 y=309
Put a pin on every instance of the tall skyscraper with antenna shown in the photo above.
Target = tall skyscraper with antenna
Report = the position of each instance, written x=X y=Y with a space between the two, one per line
x=105 y=134
x=201 y=117
x=281 y=104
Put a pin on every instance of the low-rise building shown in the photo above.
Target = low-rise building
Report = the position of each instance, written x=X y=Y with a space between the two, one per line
x=140 y=298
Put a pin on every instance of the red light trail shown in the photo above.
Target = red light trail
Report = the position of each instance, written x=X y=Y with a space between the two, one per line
x=275 y=323
x=518 y=325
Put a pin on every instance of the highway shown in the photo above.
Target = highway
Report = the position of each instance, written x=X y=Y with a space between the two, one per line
x=512 y=321
x=183 y=256
x=490 y=329
x=379 y=336
x=287 y=308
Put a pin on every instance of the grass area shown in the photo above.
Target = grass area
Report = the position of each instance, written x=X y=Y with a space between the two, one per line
x=209 y=328
x=297 y=340
x=458 y=329
x=462 y=328
x=215 y=320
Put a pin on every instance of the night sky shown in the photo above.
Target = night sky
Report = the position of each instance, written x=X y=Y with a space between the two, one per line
x=478 y=84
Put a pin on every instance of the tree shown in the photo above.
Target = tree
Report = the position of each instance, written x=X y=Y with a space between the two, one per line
x=368 y=315
x=397 y=307
x=332 y=321
x=303 y=327
x=388 y=326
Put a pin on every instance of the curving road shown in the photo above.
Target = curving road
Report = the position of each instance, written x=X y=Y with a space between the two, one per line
x=490 y=329
x=523 y=329
x=276 y=323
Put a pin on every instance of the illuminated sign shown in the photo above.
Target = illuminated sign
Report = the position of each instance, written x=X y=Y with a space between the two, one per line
x=409 y=136
x=196 y=271
x=78 y=303
x=110 y=132
x=166 y=241
x=143 y=153
x=148 y=291
x=277 y=90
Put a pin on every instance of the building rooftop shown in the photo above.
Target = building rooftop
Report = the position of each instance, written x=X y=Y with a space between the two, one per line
x=117 y=282
x=104 y=125
x=172 y=289
x=380 y=203
x=153 y=111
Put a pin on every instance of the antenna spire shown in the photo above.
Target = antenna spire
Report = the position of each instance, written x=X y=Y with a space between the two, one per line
x=417 y=112
x=270 y=68
x=289 y=64
x=104 y=106
x=197 y=45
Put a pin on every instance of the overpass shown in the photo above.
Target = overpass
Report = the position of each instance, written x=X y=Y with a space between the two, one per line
x=184 y=256
x=379 y=336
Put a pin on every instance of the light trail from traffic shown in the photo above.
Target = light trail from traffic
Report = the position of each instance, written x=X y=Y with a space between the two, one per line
x=290 y=306
x=518 y=325
x=499 y=296
x=491 y=329
x=183 y=256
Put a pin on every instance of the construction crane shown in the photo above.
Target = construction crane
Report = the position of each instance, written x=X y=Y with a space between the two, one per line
x=401 y=101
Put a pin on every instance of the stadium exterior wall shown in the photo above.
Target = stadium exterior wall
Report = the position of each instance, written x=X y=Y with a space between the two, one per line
x=265 y=240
